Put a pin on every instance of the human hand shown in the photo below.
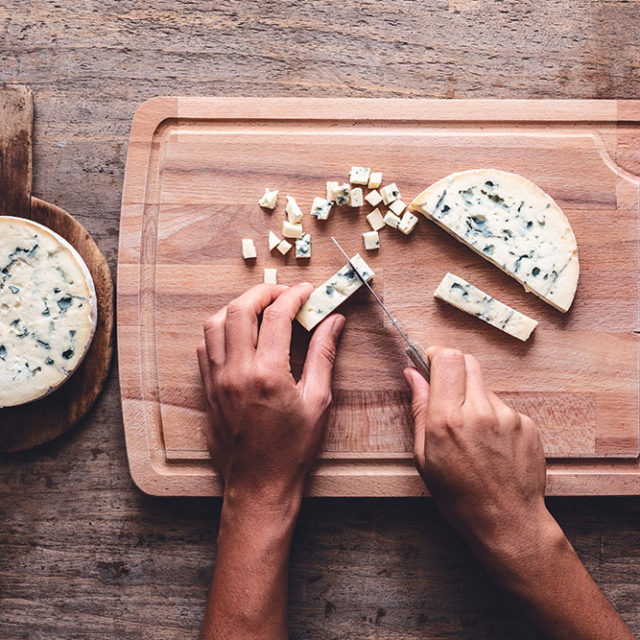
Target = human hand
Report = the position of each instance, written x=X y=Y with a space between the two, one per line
x=482 y=461
x=264 y=428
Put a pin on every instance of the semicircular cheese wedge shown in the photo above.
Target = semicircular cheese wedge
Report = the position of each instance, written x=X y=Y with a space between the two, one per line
x=513 y=224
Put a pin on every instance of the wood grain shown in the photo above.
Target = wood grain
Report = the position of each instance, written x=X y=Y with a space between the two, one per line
x=192 y=184
x=35 y=423
x=84 y=554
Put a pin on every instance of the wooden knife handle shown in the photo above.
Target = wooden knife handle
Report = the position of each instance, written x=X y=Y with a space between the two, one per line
x=424 y=365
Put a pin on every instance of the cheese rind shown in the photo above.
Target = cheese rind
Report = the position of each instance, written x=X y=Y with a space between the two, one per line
x=464 y=296
x=513 y=224
x=329 y=296
x=269 y=199
x=48 y=310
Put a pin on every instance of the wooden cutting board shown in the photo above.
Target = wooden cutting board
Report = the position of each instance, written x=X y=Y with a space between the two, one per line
x=195 y=171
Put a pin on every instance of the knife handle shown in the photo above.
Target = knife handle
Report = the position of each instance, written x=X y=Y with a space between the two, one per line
x=420 y=360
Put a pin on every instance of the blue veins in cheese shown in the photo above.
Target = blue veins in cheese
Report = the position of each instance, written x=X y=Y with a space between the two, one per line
x=470 y=299
x=48 y=310
x=303 y=246
x=330 y=295
x=340 y=194
x=513 y=224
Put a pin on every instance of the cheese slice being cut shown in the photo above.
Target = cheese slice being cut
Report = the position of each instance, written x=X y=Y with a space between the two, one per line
x=511 y=223
x=466 y=297
x=330 y=295
x=48 y=310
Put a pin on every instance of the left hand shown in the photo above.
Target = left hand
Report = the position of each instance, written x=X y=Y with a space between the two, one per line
x=264 y=428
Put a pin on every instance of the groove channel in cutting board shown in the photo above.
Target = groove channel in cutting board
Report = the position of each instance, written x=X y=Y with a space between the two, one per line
x=195 y=171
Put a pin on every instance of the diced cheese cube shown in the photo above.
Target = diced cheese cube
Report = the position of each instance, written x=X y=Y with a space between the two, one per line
x=397 y=206
x=268 y=200
x=331 y=187
x=321 y=208
x=371 y=240
x=274 y=241
x=390 y=193
x=376 y=220
x=271 y=276
x=341 y=194
x=391 y=219
x=373 y=198
x=290 y=230
x=359 y=175
x=407 y=223
x=303 y=246
x=294 y=213
x=355 y=197
x=328 y=296
x=284 y=247
x=375 y=179
x=248 y=249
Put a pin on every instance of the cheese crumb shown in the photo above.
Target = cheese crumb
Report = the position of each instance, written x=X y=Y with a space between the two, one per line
x=397 y=206
x=294 y=213
x=274 y=241
x=268 y=200
x=391 y=219
x=355 y=197
x=248 y=249
x=371 y=240
x=376 y=220
x=407 y=223
x=359 y=175
x=321 y=208
x=390 y=193
x=284 y=247
x=375 y=180
x=290 y=230
x=270 y=276
x=373 y=198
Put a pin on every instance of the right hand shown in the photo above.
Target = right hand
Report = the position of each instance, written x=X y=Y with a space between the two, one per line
x=482 y=461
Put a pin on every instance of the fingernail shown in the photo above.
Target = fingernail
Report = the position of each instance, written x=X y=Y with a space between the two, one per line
x=338 y=325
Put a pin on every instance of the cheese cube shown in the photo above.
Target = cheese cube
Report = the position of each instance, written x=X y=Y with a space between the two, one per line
x=371 y=240
x=359 y=175
x=290 y=230
x=303 y=246
x=271 y=276
x=331 y=187
x=294 y=213
x=274 y=241
x=328 y=296
x=391 y=219
x=407 y=223
x=376 y=220
x=284 y=247
x=397 y=206
x=268 y=200
x=373 y=198
x=321 y=208
x=248 y=249
x=390 y=193
x=355 y=197
x=375 y=180
x=341 y=194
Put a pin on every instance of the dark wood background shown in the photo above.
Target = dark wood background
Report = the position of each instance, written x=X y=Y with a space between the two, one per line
x=83 y=553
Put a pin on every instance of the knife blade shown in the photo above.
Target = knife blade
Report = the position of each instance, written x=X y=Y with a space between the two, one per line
x=414 y=350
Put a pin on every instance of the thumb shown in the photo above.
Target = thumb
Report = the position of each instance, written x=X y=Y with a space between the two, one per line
x=315 y=382
x=419 y=405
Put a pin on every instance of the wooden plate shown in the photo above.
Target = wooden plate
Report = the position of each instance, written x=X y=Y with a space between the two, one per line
x=29 y=425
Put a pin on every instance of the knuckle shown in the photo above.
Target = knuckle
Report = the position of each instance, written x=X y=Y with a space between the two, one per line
x=454 y=419
x=235 y=308
x=229 y=384
x=274 y=314
x=447 y=356
x=486 y=417
x=213 y=323
x=265 y=380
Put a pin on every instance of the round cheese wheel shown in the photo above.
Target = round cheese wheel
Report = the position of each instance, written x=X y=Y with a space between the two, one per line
x=48 y=310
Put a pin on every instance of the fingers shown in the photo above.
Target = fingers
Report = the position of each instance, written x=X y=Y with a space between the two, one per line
x=475 y=390
x=205 y=371
x=448 y=379
x=315 y=382
x=274 y=338
x=419 y=404
x=214 y=338
x=241 y=325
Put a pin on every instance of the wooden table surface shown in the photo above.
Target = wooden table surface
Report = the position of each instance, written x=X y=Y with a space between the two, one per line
x=83 y=553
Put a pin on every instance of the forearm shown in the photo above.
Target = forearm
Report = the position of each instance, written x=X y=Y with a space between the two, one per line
x=554 y=590
x=248 y=597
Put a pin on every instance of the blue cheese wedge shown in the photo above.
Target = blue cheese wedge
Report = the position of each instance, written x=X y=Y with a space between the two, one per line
x=269 y=199
x=390 y=193
x=270 y=276
x=330 y=295
x=371 y=240
x=293 y=211
x=513 y=224
x=48 y=311
x=303 y=246
x=355 y=197
x=321 y=208
x=373 y=198
x=359 y=175
x=375 y=180
x=248 y=249
x=376 y=220
x=466 y=297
